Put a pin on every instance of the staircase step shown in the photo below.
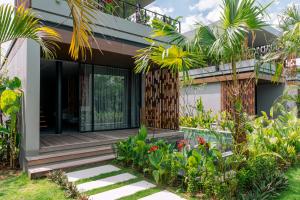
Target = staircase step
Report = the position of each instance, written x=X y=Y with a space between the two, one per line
x=48 y=149
x=68 y=155
x=35 y=172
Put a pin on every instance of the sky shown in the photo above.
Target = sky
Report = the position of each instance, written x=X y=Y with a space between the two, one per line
x=208 y=11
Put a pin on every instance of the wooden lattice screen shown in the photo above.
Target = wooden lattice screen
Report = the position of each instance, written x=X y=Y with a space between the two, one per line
x=162 y=99
x=248 y=98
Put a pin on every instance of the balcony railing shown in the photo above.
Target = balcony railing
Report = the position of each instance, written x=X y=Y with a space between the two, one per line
x=135 y=13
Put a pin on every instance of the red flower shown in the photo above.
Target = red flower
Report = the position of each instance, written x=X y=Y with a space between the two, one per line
x=181 y=144
x=201 y=141
x=108 y=1
x=153 y=148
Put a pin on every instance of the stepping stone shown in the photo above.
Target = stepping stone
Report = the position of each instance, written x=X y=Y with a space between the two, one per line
x=122 y=191
x=163 y=195
x=91 y=172
x=104 y=182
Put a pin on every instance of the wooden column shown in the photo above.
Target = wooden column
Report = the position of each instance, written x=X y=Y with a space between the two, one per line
x=161 y=99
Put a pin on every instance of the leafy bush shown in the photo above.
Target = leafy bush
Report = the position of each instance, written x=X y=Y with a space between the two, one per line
x=133 y=151
x=255 y=171
x=279 y=136
x=10 y=105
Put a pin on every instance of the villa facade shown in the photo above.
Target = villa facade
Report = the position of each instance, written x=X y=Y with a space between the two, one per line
x=76 y=105
x=212 y=83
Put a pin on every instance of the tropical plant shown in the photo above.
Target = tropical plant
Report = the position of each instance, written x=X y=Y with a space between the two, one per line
x=287 y=45
x=10 y=97
x=199 y=118
x=223 y=42
x=133 y=151
x=176 y=55
x=23 y=23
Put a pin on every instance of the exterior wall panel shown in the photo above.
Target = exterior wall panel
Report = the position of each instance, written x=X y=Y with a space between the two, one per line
x=209 y=93
x=24 y=62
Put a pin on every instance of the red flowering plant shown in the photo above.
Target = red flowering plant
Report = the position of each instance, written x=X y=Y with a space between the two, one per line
x=153 y=148
x=181 y=144
x=201 y=140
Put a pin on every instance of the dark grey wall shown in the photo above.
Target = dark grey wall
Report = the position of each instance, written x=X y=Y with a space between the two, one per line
x=267 y=93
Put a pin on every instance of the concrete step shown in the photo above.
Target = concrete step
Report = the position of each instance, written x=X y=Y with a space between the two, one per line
x=79 y=145
x=65 y=155
x=42 y=170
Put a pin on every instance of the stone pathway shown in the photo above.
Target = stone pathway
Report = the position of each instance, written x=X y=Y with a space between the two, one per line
x=91 y=172
x=104 y=182
x=115 y=184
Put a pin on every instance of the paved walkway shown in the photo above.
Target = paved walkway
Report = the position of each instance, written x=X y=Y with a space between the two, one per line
x=110 y=183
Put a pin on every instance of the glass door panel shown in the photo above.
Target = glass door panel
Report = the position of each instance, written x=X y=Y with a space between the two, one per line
x=111 y=109
x=86 y=98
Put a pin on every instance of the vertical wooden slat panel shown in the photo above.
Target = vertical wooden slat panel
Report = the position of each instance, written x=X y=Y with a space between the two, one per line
x=162 y=100
x=248 y=97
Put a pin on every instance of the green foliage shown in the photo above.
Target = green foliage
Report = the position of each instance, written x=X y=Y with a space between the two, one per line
x=267 y=188
x=280 y=135
x=10 y=105
x=201 y=119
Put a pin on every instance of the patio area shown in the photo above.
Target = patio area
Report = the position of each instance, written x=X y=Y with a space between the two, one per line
x=74 y=140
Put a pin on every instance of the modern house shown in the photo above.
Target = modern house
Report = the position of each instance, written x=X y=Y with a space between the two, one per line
x=73 y=112
x=212 y=83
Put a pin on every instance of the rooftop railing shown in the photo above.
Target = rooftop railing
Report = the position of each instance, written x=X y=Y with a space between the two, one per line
x=135 y=13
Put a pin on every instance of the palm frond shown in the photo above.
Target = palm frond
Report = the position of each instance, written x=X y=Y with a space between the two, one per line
x=22 y=23
x=83 y=12
x=162 y=29
x=174 y=58
x=238 y=19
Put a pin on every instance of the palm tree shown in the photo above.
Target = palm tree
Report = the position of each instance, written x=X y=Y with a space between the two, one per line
x=83 y=14
x=22 y=23
x=223 y=42
x=287 y=46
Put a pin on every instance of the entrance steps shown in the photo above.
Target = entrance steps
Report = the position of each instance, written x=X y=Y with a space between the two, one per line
x=75 y=155
x=40 y=165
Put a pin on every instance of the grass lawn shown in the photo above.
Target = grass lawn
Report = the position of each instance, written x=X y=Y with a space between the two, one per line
x=14 y=185
x=293 y=190
x=17 y=186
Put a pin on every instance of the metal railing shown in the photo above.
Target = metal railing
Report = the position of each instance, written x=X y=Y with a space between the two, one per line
x=135 y=13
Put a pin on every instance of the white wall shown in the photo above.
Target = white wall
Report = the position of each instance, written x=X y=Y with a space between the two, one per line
x=210 y=94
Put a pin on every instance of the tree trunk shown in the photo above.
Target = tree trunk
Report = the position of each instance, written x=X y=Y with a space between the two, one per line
x=239 y=133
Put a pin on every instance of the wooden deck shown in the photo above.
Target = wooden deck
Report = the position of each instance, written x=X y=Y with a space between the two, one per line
x=56 y=142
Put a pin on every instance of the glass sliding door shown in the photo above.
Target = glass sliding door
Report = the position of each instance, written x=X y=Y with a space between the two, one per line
x=86 y=98
x=110 y=98
x=111 y=107
x=69 y=97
